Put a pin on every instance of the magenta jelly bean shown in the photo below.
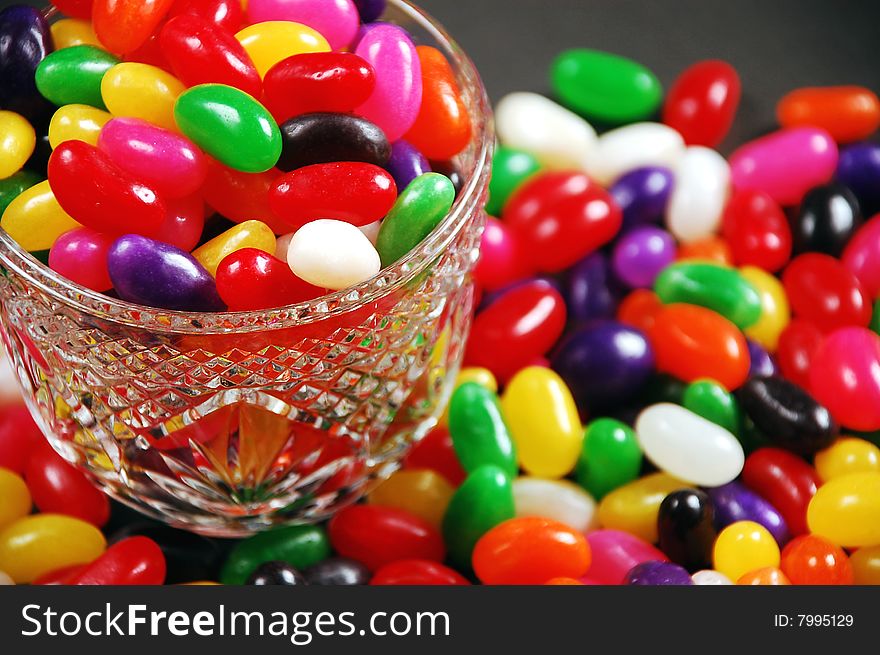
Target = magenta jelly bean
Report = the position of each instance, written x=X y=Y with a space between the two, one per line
x=616 y=552
x=81 y=256
x=169 y=162
x=397 y=98
x=501 y=262
x=336 y=20
x=785 y=164
x=641 y=254
x=862 y=256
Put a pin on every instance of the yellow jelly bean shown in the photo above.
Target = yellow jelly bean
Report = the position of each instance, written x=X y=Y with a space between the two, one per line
x=15 y=499
x=71 y=31
x=418 y=491
x=634 y=507
x=270 y=42
x=35 y=219
x=543 y=422
x=17 y=142
x=847 y=455
x=744 y=546
x=775 y=312
x=39 y=544
x=865 y=564
x=846 y=510
x=77 y=123
x=141 y=91
x=250 y=234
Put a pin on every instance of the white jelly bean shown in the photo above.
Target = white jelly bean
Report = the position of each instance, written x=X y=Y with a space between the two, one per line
x=687 y=446
x=702 y=185
x=634 y=146
x=710 y=577
x=559 y=500
x=557 y=137
x=9 y=391
x=332 y=254
x=371 y=231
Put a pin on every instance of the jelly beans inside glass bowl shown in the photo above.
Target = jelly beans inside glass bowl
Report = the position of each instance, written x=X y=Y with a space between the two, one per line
x=230 y=423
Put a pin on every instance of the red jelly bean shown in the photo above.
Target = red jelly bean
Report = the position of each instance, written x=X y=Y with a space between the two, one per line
x=417 y=572
x=501 y=261
x=757 y=231
x=335 y=82
x=354 y=192
x=251 y=279
x=563 y=217
x=785 y=481
x=150 y=53
x=125 y=25
x=530 y=551
x=702 y=102
x=798 y=343
x=821 y=290
x=75 y=8
x=132 y=561
x=692 y=342
x=63 y=576
x=19 y=435
x=200 y=52
x=443 y=126
x=226 y=14
x=241 y=196
x=183 y=223
x=862 y=256
x=521 y=325
x=81 y=256
x=640 y=309
x=376 y=536
x=100 y=195
x=813 y=560
x=436 y=452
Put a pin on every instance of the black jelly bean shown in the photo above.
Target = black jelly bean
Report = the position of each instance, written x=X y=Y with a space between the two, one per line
x=686 y=526
x=338 y=571
x=828 y=217
x=276 y=573
x=322 y=138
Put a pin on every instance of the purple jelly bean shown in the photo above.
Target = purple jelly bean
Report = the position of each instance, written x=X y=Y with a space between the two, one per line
x=590 y=289
x=859 y=169
x=735 y=502
x=762 y=364
x=657 y=573
x=157 y=274
x=406 y=163
x=25 y=40
x=604 y=363
x=370 y=10
x=642 y=195
x=641 y=254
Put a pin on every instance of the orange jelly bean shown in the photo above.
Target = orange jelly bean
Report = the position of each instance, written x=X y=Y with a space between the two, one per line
x=813 y=560
x=710 y=249
x=848 y=113
x=768 y=576
x=640 y=309
x=123 y=26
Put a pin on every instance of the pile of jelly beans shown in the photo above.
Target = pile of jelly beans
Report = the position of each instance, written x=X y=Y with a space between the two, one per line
x=195 y=155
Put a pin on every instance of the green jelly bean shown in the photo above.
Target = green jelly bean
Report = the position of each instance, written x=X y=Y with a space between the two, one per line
x=483 y=500
x=41 y=256
x=14 y=186
x=230 y=126
x=479 y=434
x=610 y=457
x=875 y=317
x=510 y=168
x=301 y=546
x=605 y=87
x=718 y=288
x=72 y=76
x=417 y=211
x=714 y=403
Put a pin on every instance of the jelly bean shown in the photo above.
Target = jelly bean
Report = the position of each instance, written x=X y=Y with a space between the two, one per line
x=183 y=223
x=14 y=185
x=250 y=234
x=859 y=170
x=225 y=14
x=640 y=309
x=510 y=168
x=99 y=194
x=557 y=137
x=322 y=138
x=69 y=32
x=657 y=573
x=702 y=102
x=641 y=254
x=812 y=560
x=742 y=547
x=643 y=194
x=73 y=75
x=477 y=375
x=558 y=500
x=865 y=564
x=798 y=343
x=435 y=452
x=332 y=255
x=423 y=493
x=530 y=551
x=301 y=546
x=275 y=573
x=713 y=402
x=696 y=206
x=757 y=230
x=36 y=545
x=17 y=142
x=828 y=217
x=25 y=40
x=633 y=507
x=692 y=342
x=249 y=279
x=77 y=123
x=483 y=500
x=132 y=561
x=417 y=572
x=75 y=8
x=604 y=363
x=615 y=553
x=335 y=82
x=711 y=249
x=733 y=502
x=823 y=291
x=862 y=254
x=501 y=262
x=156 y=274
x=125 y=26
x=848 y=113
x=406 y=163
x=767 y=575
x=846 y=510
x=610 y=457
x=18 y=436
x=775 y=313
x=761 y=364
x=16 y=498
x=35 y=219
x=370 y=10
x=563 y=217
x=847 y=455
x=376 y=536
x=785 y=481
x=478 y=431
x=337 y=571
x=141 y=91
x=721 y=289
x=241 y=196
x=337 y=20
x=765 y=163
x=710 y=577
x=688 y=446
x=229 y=125
x=590 y=291
x=81 y=256
x=605 y=87
x=685 y=524
x=635 y=146
x=5 y=579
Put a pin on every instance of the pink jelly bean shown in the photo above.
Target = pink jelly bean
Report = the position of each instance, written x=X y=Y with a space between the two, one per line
x=845 y=377
x=862 y=256
x=501 y=262
x=81 y=256
x=336 y=20
x=184 y=223
x=615 y=552
x=394 y=105
x=785 y=164
x=166 y=161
